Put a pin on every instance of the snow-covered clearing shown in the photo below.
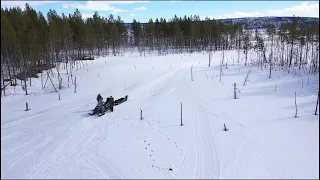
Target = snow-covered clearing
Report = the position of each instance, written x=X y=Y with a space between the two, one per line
x=58 y=139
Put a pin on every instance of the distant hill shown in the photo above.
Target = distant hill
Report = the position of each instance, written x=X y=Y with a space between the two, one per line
x=262 y=22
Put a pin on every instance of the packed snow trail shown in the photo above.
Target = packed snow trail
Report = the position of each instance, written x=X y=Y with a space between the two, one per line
x=58 y=139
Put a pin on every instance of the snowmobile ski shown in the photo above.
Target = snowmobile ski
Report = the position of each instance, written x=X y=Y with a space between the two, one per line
x=101 y=114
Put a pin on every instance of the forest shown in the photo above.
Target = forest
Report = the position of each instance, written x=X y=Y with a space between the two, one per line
x=31 y=43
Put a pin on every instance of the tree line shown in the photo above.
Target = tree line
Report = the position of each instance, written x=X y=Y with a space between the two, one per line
x=31 y=42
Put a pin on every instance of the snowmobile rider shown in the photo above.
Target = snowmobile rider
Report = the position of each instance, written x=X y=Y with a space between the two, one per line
x=111 y=101
x=100 y=100
x=108 y=100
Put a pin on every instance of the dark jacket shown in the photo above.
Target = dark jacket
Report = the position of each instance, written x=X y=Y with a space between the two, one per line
x=99 y=98
x=108 y=99
x=111 y=100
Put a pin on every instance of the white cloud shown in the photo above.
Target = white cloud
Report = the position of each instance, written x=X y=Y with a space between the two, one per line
x=94 y=6
x=36 y=3
x=303 y=10
x=90 y=15
x=126 y=2
x=170 y=1
x=142 y=8
x=21 y=4
x=102 y=5
x=87 y=15
x=132 y=15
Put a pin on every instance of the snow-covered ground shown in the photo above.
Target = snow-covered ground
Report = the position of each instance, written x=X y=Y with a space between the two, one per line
x=58 y=139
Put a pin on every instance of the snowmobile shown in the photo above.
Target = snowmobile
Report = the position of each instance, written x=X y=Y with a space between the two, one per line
x=106 y=107
x=101 y=109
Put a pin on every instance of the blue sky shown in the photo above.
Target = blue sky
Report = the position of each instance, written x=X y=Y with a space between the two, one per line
x=144 y=10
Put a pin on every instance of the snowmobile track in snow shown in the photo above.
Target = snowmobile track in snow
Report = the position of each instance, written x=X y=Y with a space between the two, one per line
x=205 y=147
x=213 y=168
x=104 y=166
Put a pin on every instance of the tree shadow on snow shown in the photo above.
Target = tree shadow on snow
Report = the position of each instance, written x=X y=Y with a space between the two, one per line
x=308 y=117
x=304 y=105
x=284 y=89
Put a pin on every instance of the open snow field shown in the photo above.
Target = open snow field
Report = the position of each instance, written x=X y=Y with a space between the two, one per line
x=58 y=139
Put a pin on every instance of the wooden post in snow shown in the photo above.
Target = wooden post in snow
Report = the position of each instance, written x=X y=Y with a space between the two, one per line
x=60 y=83
x=210 y=55
x=25 y=81
x=270 y=71
x=295 y=101
x=225 y=127
x=235 y=91
x=141 y=114
x=75 y=84
x=41 y=81
x=27 y=107
x=315 y=113
x=191 y=73
x=181 y=124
